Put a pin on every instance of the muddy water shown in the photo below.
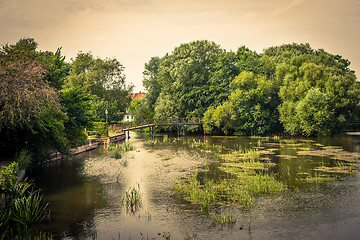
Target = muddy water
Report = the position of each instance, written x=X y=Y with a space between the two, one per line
x=85 y=194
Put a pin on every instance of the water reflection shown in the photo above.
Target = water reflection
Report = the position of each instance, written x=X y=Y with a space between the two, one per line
x=86 y=194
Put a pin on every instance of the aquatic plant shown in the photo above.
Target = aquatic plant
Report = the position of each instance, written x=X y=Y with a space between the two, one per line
x=317 y=177
x=237 y=194
x=256 y=184
x=116 y=153
x=224 y=218
x=205 y=194
x=93 y=234
x=132 y=199
x=127 y=146
x=116 y=150
x=124 y=163
x=148 y=216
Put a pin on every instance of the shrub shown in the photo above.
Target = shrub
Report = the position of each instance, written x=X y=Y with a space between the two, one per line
x=101 y=129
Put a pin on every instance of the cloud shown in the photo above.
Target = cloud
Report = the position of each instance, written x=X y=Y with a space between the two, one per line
x=289 y=7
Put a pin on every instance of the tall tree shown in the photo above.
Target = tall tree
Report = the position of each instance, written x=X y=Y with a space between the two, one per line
x=30 y=110
x=317 y=77
x=104 y=79
x=184 y=78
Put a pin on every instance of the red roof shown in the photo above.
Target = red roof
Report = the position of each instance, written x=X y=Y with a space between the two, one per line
x=140 y=95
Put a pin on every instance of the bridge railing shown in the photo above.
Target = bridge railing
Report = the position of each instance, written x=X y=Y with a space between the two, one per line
x=160 y=122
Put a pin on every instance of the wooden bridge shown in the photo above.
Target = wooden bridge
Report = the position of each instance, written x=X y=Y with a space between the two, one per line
x=151 y=123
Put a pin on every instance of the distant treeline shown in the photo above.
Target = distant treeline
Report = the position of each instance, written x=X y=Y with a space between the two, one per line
x=290 y=88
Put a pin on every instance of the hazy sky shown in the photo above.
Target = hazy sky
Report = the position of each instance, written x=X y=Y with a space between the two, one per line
x=133 y=31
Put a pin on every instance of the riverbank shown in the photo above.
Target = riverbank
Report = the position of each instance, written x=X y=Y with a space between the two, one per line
x=90 y=145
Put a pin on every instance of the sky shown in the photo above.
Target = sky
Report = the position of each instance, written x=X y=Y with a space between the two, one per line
x=133 y=31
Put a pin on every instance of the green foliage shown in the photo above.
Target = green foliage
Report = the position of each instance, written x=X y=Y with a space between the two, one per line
x=29 y=209
x=249 y=110
x=132 y=199
x=22 y=207
x=246 y=93
x=184 y=80
x=135 y=104
x=8 y=180
x=39 y=113
x=100 y=129
x=76 y=103
x=314 y=112
x=24 y=159
x=313 y=77
x=104 y=80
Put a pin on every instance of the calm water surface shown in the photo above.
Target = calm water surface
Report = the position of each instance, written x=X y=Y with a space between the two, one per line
x=85 y=193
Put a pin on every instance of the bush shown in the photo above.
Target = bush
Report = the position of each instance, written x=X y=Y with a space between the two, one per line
x=21 y=207
x=101 y=129
x=24 y=159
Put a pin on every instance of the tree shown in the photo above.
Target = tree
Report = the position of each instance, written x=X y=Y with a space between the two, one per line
x=105 y=81
x=299 y=71
x=30 y=111
x=249 y=110
x=184 y=79
x=315 y=114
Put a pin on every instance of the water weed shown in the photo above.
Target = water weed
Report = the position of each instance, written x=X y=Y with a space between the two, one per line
x=204 y=194
x=257 y=184
x=132 y=199
x=225 y=218
x=117 y=150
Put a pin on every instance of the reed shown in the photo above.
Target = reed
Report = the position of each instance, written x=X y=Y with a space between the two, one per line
x=132 y=199
x=224 y=218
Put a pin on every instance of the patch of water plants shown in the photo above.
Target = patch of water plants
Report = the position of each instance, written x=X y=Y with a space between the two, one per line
x=117 y=150
x=22 y=208
x=249 y=173
x=132 y=199
x=246 y=178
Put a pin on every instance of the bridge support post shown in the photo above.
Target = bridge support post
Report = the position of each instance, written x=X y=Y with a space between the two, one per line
x=181 y=130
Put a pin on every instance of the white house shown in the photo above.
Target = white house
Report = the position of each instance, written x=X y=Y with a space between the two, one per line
x=128 y=117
